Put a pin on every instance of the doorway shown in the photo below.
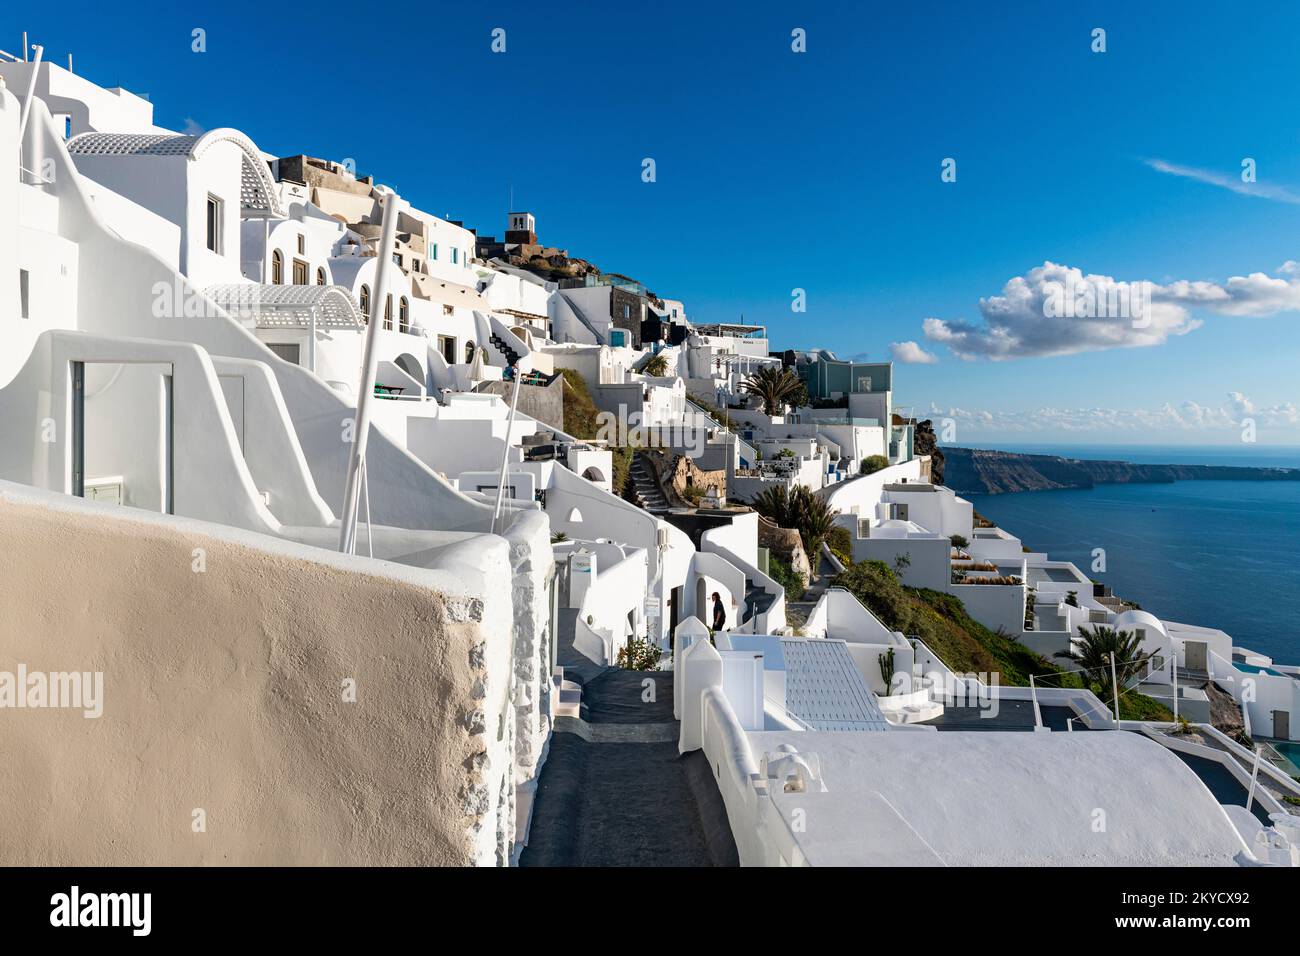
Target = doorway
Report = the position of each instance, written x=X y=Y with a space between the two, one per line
x=122 y=433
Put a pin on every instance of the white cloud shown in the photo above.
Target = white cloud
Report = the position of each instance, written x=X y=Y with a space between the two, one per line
x=1186 y=416
x=1028 y=320
x=191 y=128
x=909 y=353
x=1234 y=182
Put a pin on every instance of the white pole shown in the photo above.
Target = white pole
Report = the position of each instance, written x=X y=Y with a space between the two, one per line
x=24 y=46
x=1114 y=686
x=1033 y=693
x=1254 y=775
x=505 y=452
x=1174 y=667
x=27 y=103
x=370 y=532
x=366 y=395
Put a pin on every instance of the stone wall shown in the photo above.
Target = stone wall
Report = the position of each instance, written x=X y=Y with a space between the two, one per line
x=786 y=544
x=533 y=568
x=542 y=402
x=682 y=473
x=264 y=702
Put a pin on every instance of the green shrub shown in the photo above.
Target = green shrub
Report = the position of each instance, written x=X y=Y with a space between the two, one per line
x=621 y=461
x=783 y=574
x=580 y=412
x=873 y=463
x=940 y=620
x=639 y=654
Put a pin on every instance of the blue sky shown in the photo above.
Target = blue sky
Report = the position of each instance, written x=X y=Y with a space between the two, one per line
x=821 y=170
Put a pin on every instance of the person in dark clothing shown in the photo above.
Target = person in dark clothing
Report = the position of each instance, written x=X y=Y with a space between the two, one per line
x=719 y=613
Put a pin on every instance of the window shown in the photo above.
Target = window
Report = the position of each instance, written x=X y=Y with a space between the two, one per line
x=365 y=303
x=300 y=272
x=25 y=293
x=277 y=268
x=434 y=254
x=397 y=258
x=302 y=244
x=214 y=225
x=320 y=276
x=415 y=265
x=448 y=310
x=404 y=315
x=454 y=253
x=447 y=346
x=388 y=311
x=627 y=312
x=290 y=352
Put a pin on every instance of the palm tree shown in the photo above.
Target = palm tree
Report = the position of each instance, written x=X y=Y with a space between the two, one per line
x=777 y=388
x=1094 y=649
x=816 y=519
x=656 y=367
x=802 y=510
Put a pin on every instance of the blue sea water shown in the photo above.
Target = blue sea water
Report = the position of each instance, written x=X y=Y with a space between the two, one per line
x=1216 y=553
x=1249 y=455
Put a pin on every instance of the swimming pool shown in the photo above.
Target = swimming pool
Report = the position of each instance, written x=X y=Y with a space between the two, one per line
x=1289 y=749
x=1256 y=669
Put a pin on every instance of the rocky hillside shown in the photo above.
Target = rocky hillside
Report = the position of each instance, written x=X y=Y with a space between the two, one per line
x=979 y=472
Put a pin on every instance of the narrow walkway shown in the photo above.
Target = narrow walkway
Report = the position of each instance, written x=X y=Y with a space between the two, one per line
x=1220 y=782
x=614 y=791
x=797 y=611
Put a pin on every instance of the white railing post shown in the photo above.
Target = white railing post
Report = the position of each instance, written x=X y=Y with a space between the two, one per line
x=1114 y=686
x=1033 y=694
x=505 y=452
x=27 y=101
x=366 y=395
x=1175 y=670
x=1254 y=776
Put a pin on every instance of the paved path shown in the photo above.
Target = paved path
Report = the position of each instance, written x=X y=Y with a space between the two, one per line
x=614 y=791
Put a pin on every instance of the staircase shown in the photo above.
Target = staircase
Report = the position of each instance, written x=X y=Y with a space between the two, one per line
x=757 y=601
x=511 y=356
x=645 y=488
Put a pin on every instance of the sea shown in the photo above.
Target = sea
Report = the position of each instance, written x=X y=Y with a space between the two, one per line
x=1222 y=554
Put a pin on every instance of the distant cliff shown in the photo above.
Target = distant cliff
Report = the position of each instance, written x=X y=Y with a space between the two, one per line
x=978 y=472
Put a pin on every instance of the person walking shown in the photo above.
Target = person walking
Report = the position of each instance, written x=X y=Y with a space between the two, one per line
x=719 y=613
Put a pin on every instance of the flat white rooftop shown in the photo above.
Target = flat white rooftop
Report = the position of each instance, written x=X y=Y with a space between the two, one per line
x=995 y=799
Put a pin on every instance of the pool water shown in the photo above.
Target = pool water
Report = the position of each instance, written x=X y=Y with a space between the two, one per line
x=1289 y=749
x=1256 y=669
